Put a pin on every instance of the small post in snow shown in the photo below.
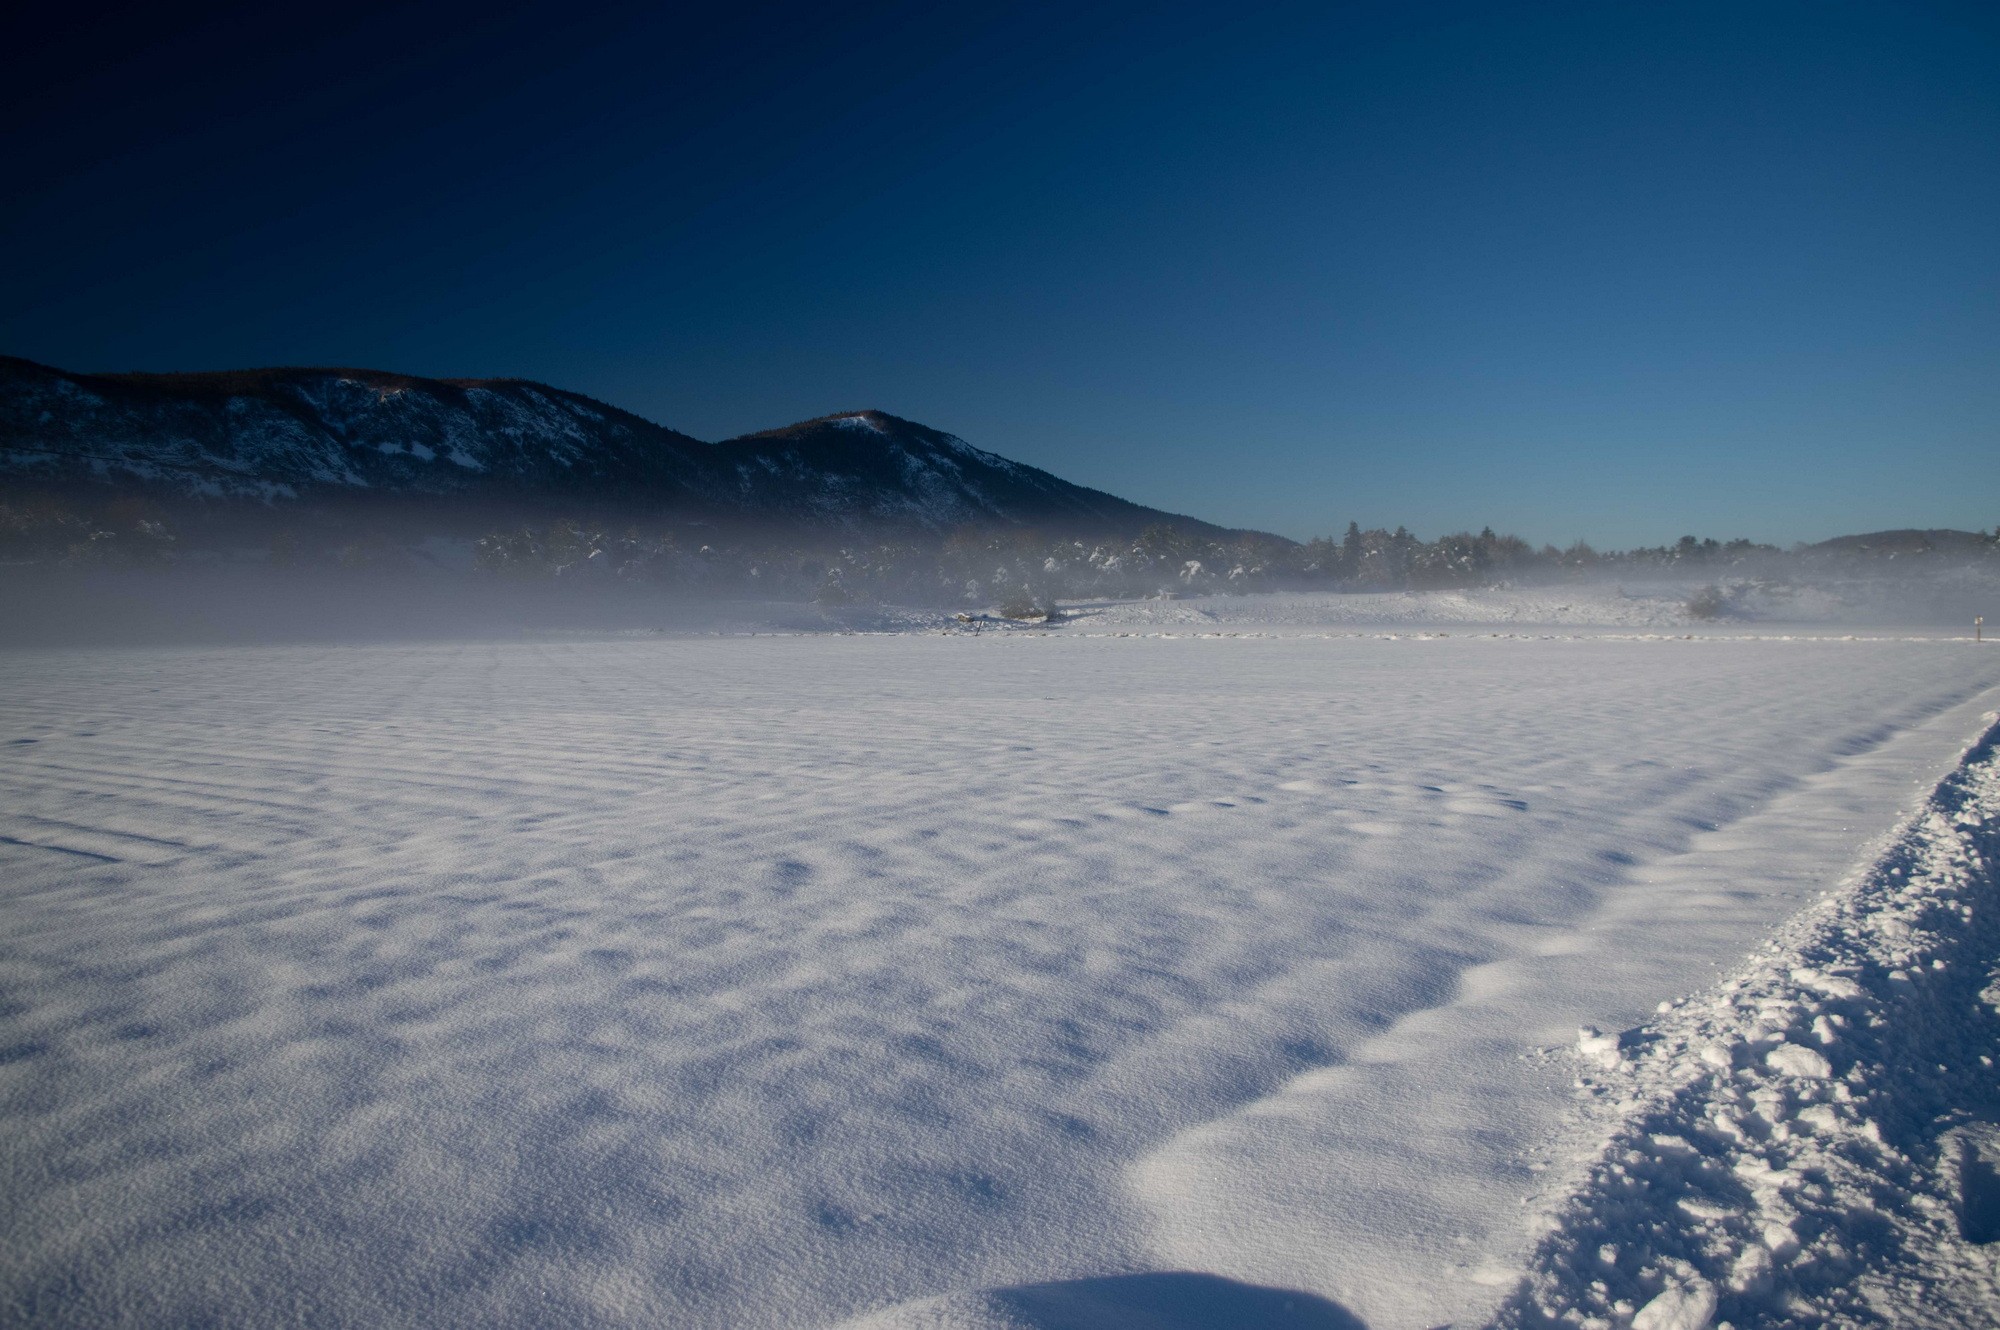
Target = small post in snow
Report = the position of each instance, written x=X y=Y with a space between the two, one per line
x=1978 y=625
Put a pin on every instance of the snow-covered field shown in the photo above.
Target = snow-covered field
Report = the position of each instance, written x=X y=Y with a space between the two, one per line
x=1037 y=978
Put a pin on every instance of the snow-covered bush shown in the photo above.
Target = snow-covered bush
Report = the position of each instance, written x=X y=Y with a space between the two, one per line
x=1707 y=603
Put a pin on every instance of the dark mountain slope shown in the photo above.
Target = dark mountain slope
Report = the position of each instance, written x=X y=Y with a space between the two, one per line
x=280 y=435
x=1940 y=540
x=293 y=432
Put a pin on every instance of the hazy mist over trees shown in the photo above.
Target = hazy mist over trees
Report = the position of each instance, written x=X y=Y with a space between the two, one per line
x=970 y=567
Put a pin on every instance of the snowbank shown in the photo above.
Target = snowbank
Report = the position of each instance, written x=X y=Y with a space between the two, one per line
x=1813 y=1142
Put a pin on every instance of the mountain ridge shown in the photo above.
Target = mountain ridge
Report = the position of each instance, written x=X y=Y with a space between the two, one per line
x=287 y=434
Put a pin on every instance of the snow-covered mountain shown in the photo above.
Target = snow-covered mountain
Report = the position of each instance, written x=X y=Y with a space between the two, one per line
x=276 y=433
x=299 y=434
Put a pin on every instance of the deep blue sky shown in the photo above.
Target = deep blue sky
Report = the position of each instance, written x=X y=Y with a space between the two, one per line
x=1608 y=270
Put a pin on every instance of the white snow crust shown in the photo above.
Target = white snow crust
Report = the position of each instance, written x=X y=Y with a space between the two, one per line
x=1019 y=978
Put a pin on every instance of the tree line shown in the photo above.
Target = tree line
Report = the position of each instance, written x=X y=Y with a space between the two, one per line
x=984 y=567
x=1031 y=571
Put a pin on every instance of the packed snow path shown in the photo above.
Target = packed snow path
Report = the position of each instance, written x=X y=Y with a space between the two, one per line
x=768 y=982
x=1811 y=1143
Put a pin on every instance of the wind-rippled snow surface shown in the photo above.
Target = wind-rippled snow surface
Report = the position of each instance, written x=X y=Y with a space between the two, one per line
x=772 y=982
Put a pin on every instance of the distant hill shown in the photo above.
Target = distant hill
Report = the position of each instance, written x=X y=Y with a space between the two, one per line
x=295 y=435
x=1908 y=541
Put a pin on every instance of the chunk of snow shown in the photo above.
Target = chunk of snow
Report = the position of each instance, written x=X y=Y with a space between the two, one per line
x=1679 y=1307
x=1798 y=1060
x=1781 y=1240
x=1598 y=1047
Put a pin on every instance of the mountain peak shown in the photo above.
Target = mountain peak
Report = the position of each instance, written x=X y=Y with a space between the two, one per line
x=870 y=421
x=878 y=421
